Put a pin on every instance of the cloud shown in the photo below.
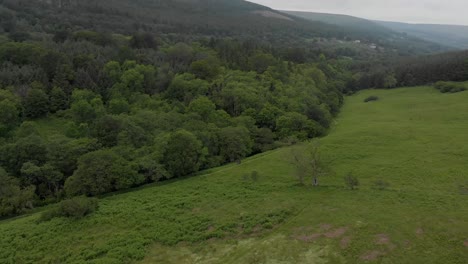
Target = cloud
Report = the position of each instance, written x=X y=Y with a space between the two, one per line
x=413 y=11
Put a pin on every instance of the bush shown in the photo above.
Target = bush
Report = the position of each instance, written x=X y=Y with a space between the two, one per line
x=450 y=87
x=76 y=208
x=381 y=185
x=351 y=181
x=371 y=99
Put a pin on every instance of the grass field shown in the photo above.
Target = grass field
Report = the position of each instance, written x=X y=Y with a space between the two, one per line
x=416 y=139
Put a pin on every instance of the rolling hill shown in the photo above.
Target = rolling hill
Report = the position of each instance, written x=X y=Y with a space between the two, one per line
x=184 y=19
x=411 y=138
x=373 y=32
x=454 y=36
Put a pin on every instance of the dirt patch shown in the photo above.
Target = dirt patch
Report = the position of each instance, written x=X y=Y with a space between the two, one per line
x=303 y=229
x=372 y=255
x=257 y=229
x=466 y=243
x=309 y=238
x=325 y=227
x=336 y=233
x=419 y=232
x=382 y=239
x=407 y=244
x=344 y=243
x=211 y=229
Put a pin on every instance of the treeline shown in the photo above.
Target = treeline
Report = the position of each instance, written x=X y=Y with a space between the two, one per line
x=89 y=113
x=452 y=66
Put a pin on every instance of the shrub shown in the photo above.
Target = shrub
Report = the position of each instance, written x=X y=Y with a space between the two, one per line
x=381 y=185
x=450 y=87
x=351 y=181
x=371 y=99
x=76 y=208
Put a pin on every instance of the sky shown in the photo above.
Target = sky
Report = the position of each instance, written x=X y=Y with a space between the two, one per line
x=412 y=11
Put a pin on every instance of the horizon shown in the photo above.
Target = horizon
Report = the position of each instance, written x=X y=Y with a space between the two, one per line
x=376 y=13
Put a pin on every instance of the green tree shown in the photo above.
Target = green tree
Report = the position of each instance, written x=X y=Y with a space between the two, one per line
x=119 y=106
x=390 y=81
x=261 y=61
x=83 y=112
x=206 y=69
x=235 y=143
x=113 y=70
x=309 y=163
x=100 y=172
x=31 y=148
x=294 y=124
x=9 y=116
x=58 y=100
x=13 y=198
x=36 y=104
x=106 y=130
x=186 y=87
x=203 y=106
x=184 y=154
x=46 y=177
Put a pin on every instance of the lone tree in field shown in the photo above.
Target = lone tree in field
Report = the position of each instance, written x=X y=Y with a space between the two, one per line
x=351 y=181
x=309 y=163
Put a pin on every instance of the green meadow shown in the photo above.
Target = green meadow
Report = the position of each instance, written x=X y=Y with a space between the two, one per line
x=416 y=139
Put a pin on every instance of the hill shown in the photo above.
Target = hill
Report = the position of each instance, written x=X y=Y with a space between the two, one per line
x=215 y=18
x=454 y=36
x=411 y=138
x=185 y=19
x=371 y=32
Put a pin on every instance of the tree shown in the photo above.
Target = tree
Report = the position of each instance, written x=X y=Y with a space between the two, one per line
x=295 y=124
x=184 y=154
x=106 y=130
x=206 y=69
x=119 y=106
x=261 y=61
x=203 y=106
x=143 y=41
x=309 y=163
x=351 y=181
x=390 y=81
x=9 y=116
x=47 y=178
x=58 y=100
x=31 y=148
x=13 y=198
x=100 y=172
x=83 y=112
x=36 y=104
x=235 y=143
x=186 y=87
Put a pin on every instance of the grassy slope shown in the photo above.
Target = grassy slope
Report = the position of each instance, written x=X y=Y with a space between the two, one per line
x=414 y=138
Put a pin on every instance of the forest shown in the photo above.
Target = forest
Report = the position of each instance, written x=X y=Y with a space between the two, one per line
x=84 y=112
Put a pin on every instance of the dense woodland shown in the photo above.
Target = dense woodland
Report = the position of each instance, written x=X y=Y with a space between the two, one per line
x=118 y=94
x=84 y=112
x=412 y=71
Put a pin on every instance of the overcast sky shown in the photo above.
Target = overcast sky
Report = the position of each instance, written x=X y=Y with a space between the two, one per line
x=412 y=11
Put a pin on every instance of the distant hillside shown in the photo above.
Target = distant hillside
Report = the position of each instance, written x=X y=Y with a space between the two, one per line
x=184 y=19
x=370 y=31
x=218 y=18
x=448 y=35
